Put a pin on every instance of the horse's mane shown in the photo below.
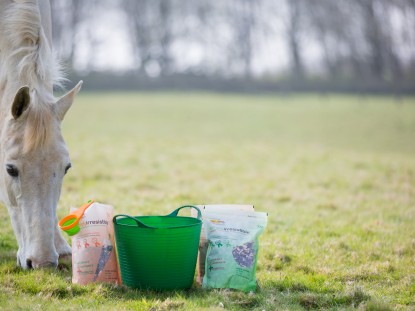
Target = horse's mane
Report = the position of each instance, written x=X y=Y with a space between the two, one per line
x=28 y=50
x=27 y=56
x=39 y=125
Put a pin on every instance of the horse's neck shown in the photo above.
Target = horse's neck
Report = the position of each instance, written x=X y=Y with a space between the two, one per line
x=46 y=19
x=10 y=82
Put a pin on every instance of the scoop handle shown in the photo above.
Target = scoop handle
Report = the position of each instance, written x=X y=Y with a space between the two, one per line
x=80 y=211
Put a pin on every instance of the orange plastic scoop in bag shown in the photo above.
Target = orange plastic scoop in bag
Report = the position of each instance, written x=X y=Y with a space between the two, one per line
x=70 y=223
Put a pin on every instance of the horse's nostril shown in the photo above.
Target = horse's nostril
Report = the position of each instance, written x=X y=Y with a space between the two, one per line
x=29 y=263
x=47 y=264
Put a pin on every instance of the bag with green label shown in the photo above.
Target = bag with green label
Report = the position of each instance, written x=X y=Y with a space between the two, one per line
x=233 y=249
x=203 y=244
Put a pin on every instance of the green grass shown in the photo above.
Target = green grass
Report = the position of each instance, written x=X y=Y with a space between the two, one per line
x=336 y=175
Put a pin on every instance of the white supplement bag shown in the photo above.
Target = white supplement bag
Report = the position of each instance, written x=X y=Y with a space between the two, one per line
x=233 y=247
x=235 y=209
x=93 y=247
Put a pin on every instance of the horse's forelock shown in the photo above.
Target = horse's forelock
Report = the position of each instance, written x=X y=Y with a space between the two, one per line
x=38 y=127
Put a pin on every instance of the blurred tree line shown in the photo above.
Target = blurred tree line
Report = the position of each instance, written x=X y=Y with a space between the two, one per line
x=358 y=43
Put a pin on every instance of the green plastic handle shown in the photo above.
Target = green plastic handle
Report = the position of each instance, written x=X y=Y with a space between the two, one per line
x=139 y=223
x=176 y=211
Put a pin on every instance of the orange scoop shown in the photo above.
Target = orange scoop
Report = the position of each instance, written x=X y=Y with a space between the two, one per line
x=70 y=223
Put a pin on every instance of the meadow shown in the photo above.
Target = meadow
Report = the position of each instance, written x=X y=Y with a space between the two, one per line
x=335 y=173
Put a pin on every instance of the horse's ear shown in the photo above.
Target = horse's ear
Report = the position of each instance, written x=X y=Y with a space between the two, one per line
x=65 y=102
x=21 y=102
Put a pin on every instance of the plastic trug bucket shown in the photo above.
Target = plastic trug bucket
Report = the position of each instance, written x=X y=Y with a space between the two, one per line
x=157 y=252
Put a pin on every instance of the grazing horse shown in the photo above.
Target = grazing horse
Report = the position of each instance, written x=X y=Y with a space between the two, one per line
x=33 y=154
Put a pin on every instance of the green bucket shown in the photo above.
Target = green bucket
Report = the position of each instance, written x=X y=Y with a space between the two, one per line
x=157 y=252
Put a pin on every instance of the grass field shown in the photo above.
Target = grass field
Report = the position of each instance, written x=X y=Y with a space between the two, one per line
x=336 y=175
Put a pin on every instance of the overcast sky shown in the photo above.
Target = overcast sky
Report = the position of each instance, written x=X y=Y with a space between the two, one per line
x=112 y=50
x=104 y=45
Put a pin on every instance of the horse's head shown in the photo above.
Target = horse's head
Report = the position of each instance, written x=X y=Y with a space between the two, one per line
x=34 y=160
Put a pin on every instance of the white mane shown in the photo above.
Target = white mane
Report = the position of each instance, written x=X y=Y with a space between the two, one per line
x=26 y=51
x=26 y=58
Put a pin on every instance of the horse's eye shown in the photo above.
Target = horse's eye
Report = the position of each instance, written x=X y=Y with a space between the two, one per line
x=12 y=170
x=68 y=167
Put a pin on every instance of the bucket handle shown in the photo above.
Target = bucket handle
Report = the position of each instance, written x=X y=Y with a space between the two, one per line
x=139 y=223
x=176 y=211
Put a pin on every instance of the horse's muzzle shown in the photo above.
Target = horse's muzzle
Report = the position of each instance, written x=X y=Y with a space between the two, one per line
x=30 y=264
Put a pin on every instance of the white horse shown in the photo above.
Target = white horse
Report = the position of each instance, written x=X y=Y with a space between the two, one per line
x=33 y=154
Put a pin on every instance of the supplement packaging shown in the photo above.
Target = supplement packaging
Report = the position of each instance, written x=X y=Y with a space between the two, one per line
x=93 y=248
x=232 y=252
x=203 y=244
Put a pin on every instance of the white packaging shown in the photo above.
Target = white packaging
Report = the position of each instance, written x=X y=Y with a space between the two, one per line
x=93 y=247
x=203 y=243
